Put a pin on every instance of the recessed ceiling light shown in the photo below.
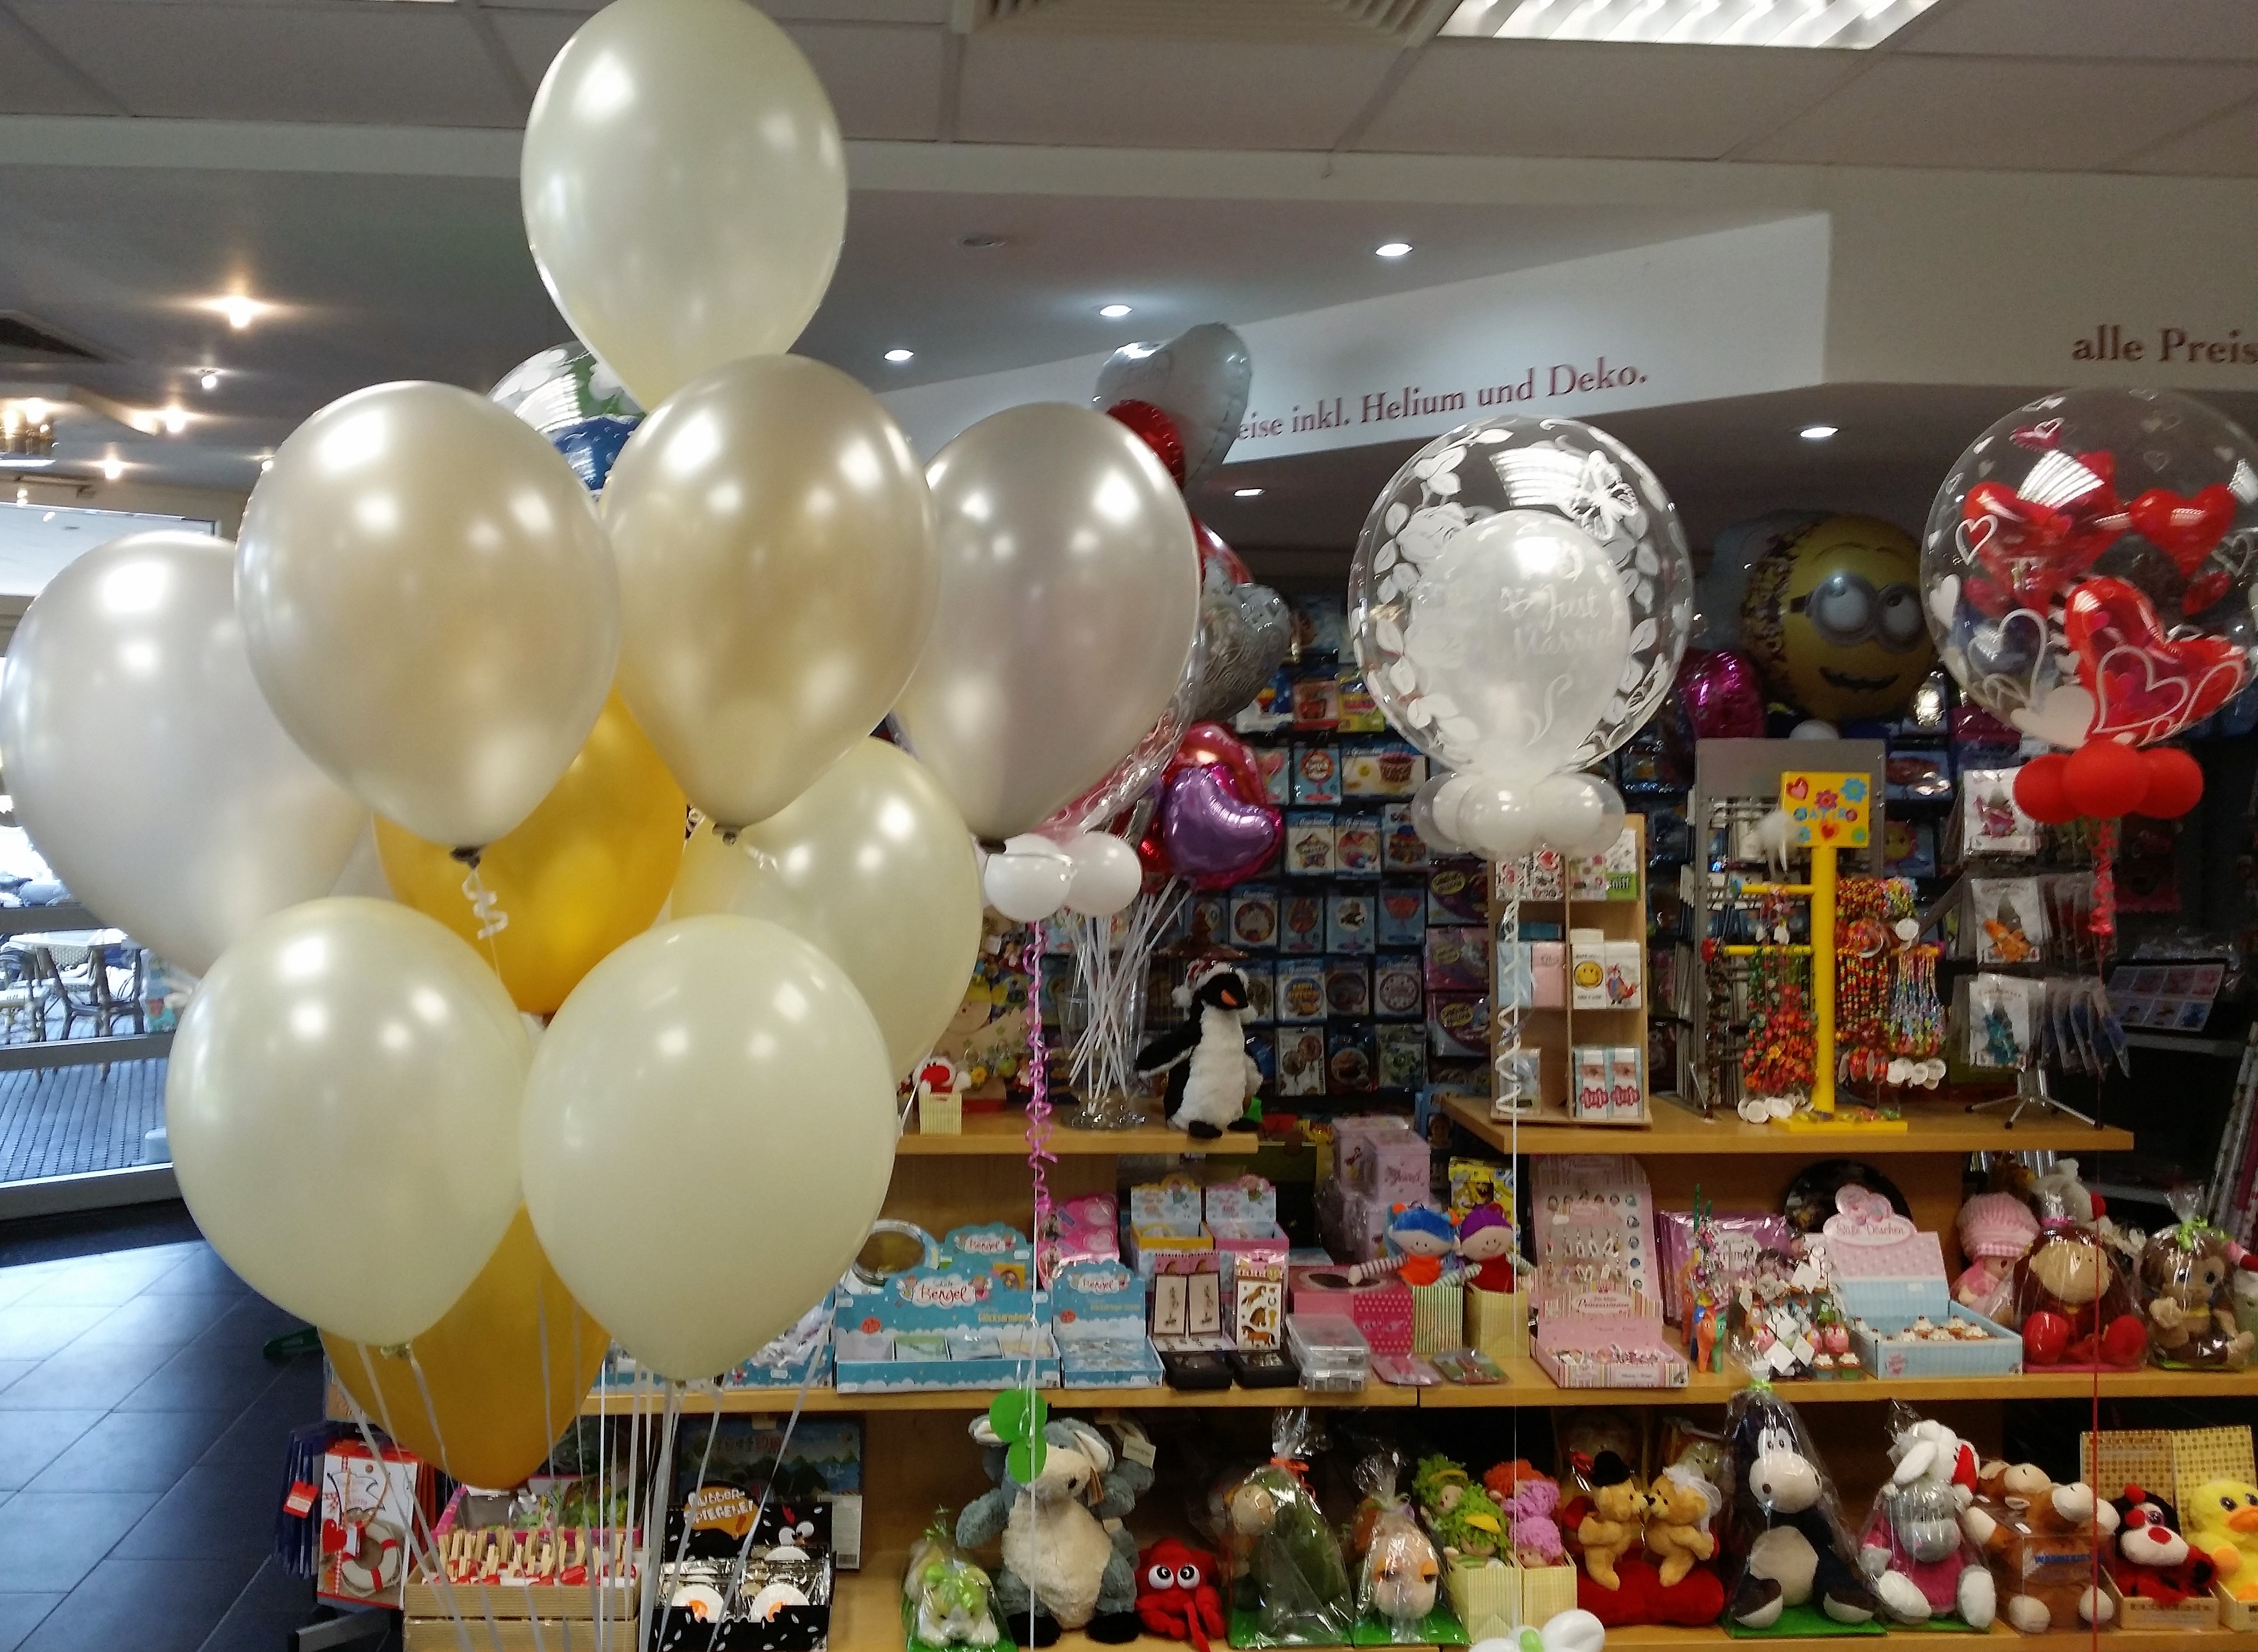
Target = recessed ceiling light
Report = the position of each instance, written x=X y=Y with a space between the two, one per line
x=176 y=420
x=901 y=355
x=1843 y=25
x=1391 y=249
x=1247 y=492
x=112 y=468
x=1113 y=312
x=266 y=465
x=239 y=309
x=1816 y=432
x=980 y=241
x=49 y=517
x=209 y=379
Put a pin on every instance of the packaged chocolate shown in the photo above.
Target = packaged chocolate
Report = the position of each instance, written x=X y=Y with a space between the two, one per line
x=1254 y=917
x=1351 y=922
x=1317 y=775
x=1348 y=987
x=1301 y=923
x=1457 y=1025
x=1309 y=845
x=1458 y=958
x=1399 y=990
x=1301 y=1060
x=1402 y=914
x=1301 y=993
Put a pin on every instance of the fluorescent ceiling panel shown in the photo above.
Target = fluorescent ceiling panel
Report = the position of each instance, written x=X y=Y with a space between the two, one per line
x=1844 y=24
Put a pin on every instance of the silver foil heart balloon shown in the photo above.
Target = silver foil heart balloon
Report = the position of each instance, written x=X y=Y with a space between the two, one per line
x=1245 y=632
x=1200 y=379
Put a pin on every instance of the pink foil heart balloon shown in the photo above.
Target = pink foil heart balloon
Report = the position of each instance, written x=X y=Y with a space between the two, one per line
x=1213 y=835
x=1723 y=700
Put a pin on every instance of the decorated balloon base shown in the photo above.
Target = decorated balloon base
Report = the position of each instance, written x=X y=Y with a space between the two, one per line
x=1108 y=1110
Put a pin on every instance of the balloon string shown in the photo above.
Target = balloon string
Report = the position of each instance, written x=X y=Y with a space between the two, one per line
x=654 y=1512
x=440 y=1439
x=485 y=906
x=417 y=1523
x=783 y=1445
x=2104 y=880
x=1038 y=1140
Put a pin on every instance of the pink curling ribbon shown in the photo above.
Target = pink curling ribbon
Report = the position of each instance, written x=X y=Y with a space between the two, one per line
x=2105 y=880
x=1039 y=1086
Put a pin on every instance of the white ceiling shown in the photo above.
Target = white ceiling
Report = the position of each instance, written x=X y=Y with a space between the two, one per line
x=410 y=273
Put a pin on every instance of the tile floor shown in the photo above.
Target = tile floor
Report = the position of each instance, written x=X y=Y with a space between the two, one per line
x=141 y=1449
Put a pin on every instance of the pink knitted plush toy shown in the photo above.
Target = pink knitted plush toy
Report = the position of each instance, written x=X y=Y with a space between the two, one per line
x=1996 y=1229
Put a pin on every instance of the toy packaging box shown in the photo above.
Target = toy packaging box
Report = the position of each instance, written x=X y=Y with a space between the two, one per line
x=1165 y=1217
x=1889 y=1278
x=823 y=1463
x=539 y=1551
x=783 y=1601
x=950 y=1325
x=1598 y=1303
x=368 y=1517
x=1097 y=1319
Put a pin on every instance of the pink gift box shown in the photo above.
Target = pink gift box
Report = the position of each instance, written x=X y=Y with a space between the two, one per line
x=1380 y=1308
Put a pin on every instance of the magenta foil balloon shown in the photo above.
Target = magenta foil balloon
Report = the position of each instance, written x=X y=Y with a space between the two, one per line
x=1723 y=700
x=1213 y=835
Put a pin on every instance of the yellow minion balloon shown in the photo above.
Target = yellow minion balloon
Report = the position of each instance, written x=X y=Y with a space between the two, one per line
x=1832 y=618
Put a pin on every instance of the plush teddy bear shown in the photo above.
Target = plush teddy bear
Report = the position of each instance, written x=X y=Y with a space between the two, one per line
x=1677 y=1525
x=1618 y=1517
x=2042 y=1542
x=1783 y=1530
x=1069 y=1562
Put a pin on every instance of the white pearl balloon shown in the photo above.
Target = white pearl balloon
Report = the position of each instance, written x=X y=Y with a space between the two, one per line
x=1568 y=810
x=1497 y=821
x=1107 y=874
x=1029 y=880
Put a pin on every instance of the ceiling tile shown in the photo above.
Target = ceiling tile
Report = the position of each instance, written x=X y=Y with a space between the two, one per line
x=533 y=38
x=2205 y=30
x=1039 y=87
x=2224 y=148
x=884 y=82
x=1541 y=97
x=31 y=84
x=1992 y=113
x=379 y=64
x=933 y=13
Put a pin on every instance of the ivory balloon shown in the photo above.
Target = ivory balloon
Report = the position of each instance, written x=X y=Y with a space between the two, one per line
x=709 y=1131
x=589 y=867
x=872 y=864
x=1107 y=874
x=1069 y=598
x=503 y=1371
x=684 y=187
x=777 y=577
x=342 y=1104
x=430 y=606
x=144 y=762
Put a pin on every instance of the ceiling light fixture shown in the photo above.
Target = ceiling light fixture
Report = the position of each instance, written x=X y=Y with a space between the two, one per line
x=1816 y=432
x=112 y=468
x=980 y=241
x=897 y=357
x=175 y=419
x=1843 y=24
x=1247 y=492
x=266 y=465
x=1113 y=312
x=210 y=381
x=1391 y=249
x=240 y=309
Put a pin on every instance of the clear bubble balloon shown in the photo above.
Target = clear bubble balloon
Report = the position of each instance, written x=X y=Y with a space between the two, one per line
x=2087 y=566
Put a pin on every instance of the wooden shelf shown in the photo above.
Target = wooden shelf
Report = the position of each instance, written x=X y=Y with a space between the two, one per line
x=1005 y=1134
x=1936 y=1128
x=778 y=1401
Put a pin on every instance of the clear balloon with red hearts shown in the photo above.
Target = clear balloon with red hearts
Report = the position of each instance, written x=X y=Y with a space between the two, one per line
x=2088 y=572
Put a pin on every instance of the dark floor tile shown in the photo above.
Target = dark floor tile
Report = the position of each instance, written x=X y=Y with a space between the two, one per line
x=50 y=1540
x=82 y=1377
x=150 y=1606
x=29 y=1332
x=201 y=1273
x=109 y=1279
x=30 y=1439
x=216 y=1513
x=259 y=1434
x=223 y=1369
x=271 y=1604
x=98 y=1232
x=157 y=1320
x=133 y=1451
x=20 y=1614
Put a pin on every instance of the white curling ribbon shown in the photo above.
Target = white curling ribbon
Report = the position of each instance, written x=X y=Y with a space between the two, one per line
x=485 y=906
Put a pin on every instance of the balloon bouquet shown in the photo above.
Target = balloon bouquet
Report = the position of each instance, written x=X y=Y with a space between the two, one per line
x=424 y=617
x=2087 y=574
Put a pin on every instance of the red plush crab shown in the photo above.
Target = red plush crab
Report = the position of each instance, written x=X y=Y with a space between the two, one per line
x=1177 y=1596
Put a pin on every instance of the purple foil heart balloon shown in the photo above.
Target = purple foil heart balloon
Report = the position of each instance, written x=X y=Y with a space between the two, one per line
x=1723 y=700
x=1213 y=835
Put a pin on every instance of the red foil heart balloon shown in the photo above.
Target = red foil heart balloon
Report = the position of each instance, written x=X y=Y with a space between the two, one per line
x=2185 y=529
x=1156 y=430
x=2147 y=686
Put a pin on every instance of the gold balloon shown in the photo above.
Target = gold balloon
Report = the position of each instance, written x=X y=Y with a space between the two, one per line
x=589 y=868
x=497 y=1413
x=873 y=864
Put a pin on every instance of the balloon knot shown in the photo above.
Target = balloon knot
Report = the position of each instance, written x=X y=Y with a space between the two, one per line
x=468 y=855
x=728 y=835
x=991 y=846
x=394 y=1351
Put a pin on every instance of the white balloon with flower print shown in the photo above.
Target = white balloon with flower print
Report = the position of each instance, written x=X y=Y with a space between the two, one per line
x=1519 y=601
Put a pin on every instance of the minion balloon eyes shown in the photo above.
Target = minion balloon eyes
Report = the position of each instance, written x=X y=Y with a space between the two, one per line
x=1833 y=619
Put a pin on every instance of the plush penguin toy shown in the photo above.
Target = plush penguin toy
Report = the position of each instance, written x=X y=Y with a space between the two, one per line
x=1211 y=1076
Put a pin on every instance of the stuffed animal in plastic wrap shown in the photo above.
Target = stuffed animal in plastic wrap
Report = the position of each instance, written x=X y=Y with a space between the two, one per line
x=1065 y=1567
x=1398 y=1570
x=1177 y=1594
x=2071 y=1297
x=2043 y=1542
x=1921 y=1563
x=1287 y=1573
x=1996 y=1230
x=2184 y=1274
x=2149 y=1559
x=947 y=1599
x=1786 y=1535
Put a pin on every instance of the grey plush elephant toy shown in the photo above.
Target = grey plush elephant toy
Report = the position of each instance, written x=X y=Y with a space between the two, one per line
x=1067 y=1562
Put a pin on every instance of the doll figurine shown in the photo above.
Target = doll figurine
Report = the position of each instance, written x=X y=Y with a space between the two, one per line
x=1489 y=1247
x=1421 y=1236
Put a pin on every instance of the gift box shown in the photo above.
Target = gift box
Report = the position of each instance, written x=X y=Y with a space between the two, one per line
x=1379 y=1156
x=1165 y=1217
x=1439 y=1315
x=1097 y=1319
x=1380 y=1308
x=1497 y=1322
x=1487 y=1595
x=1888 y=1275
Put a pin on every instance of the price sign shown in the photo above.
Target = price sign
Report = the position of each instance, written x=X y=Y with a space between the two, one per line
x=1835 y=809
